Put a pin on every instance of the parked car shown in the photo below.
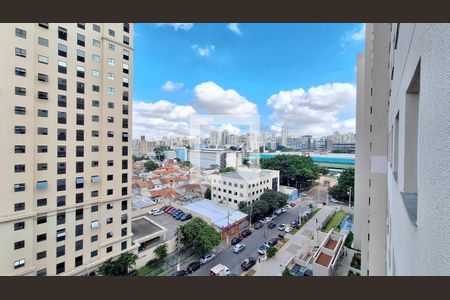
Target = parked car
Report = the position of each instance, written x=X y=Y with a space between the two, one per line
x=263 y=249
x=158 y=212
x=238 y=247
x=268 y=219
x=334 y=200
x=179 y=273
x=272 y=242
x=192 y=267
x=236 y=240
x=278 y=212
x=246 y=233
x=164 y=207
x=272 y=225
x=170 y=210
x=258 y=225
x=248 y=263
x=174 y=212
x=207 y=257
x=282 y=227
x=186 y=217
x=280 y=236
x=288 y=206
x=178 y=217
x=294 y=224
x=292 y=204
x=288 y=229
x=284 y=209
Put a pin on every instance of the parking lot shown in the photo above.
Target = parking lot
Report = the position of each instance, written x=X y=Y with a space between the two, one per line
x=167 y=221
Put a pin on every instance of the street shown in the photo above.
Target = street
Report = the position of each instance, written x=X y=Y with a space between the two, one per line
x=253 y=242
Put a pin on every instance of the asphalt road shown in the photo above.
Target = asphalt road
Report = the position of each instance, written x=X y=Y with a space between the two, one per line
x=253 y=242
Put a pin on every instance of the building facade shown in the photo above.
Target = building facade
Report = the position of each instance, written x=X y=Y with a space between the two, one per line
x=400 y=229
x=181 y=153
x=243 y=185
x=66 y=146
x=210 y=158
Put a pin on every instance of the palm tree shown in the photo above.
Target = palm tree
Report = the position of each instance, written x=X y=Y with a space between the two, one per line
x=119 y=266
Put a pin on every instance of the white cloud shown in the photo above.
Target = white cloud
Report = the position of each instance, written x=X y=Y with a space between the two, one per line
x=359 y=35
x=176 y=26
x=235 y=28
x=356 y=34
x=204 y=51
x=171 y=86
x=211 y=98
x=161 y=118
x=315 y=111
x=231 y=129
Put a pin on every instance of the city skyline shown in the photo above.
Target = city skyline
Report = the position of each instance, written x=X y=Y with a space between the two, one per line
x=207 y=69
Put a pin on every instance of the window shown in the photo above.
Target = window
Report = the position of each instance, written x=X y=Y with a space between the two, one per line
x=41 y=202
x=20 y=91
x=124 y=136
x=79 y=151
x=60 y=235
x=125 y=68
x=42 y=166
x=62 y=117
x=42 y=272
x=43 y=59
x=109 y=192
x=94 y=208
x=96 y=43
x=125 y=82
x=62 y=33
x=110 y=163
x=60 y=251
x=19 y=245
x=79 y=182
x=94 y=194
x=42 y=95
x=61 y=134
x=62 y=50
x=60 y=268
x=62 y=84
x=95 y=27
x=19 y=206
x=79 y=214
x=41 y=255
x=41 y=237
x=111 y=76
x=42 y=185
x=62 y=67
x=124 y=219
x=42 y=131
x=124 y=164
x=21 y=52
x=125 y=109
x=110 y=119
x=126 y=54
x=124 y=150
x=20 y=72
x=95 y=73
x=124 y=178
x=95 y=133
x=95 y=103
x=80 y=135
x=95 y=148
x=109 y=206
x=80 y=87
x=80 y=40
x=124 y=123
x=109 y=177
x=125 y=95
x=109 y=249
x=111 y=47
x=79 y=259
x=123 y=232
x=43 y=25
x=20 y=110
x=79 y=198
x=19 y=263
x=60 y=218
x=80 y=103
x=124 y=191
x=80 y=71
x=21 y=33
x=111 y=90
x=42 y=77
x=396 y=144
x=126 y=40
x=79 y=230
x=19 y=187
x=95 y=88
x=109 y=235
x=61 y=168
x=126 y=27
x=80 y=55
x=41 y=220
x=61 y=185
x=94 y=253
x=95 y=58
x=81 y=25
x=19 y=129
x=19 y=168
x=42 y=41
x=123 y=245
x=95 y=118
x=111 y=32
x=109 y=220
x=110 y=148
x=94 y=238
x=19 y=149
x=19 y=226
x=111 y=61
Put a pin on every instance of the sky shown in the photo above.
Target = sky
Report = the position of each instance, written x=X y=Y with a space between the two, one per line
x=300 y=77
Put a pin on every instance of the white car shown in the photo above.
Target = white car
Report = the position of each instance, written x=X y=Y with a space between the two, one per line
x=282 y=227
x=303 y=194
x=288 y=229
x=267 y=219
x=152 y=212
x=158 y=212
x=284 y=209
x=207 y=257
x=334 y=200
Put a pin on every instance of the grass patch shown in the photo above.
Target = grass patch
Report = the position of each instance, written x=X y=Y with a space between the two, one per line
x=250 y=272
x=334 y=222
x=294 y=231
x=148 y=271
x=286 y=272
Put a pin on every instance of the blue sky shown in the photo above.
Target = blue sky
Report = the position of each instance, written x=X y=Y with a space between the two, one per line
x=295 y=76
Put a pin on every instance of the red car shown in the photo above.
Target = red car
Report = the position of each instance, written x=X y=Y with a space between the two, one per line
x=169 y=210
x=292 y=204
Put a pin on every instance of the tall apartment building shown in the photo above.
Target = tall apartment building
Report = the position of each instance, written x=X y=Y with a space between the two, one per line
x=406 y=220
x=65 y=181
x=143 y=145
x=243 y=185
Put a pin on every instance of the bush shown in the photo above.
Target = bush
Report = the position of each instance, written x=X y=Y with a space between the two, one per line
x=349 y=240
x=286 y=272
x=356 y=261
x=351 y=273
x=151 y=262
x=161 y=251
x=271 y=251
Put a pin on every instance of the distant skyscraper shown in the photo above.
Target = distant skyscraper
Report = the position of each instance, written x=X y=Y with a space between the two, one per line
x=284 y=137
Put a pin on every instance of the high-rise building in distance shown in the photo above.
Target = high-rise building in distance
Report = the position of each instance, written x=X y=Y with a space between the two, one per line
x=65 y=181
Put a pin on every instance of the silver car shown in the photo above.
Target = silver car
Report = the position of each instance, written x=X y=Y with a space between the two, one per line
x=238 y=247
x=207 y=257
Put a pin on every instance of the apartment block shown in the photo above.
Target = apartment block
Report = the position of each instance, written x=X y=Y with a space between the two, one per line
x=408 y=236
x=245 y=186
x=65 y=146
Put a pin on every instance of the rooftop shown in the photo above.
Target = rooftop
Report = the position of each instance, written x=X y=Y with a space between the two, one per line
x=247 y=175
x=218 y=213
x=324 y=260
x=331 y=244
x=142 y=227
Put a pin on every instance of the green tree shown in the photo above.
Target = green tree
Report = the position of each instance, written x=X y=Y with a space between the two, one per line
x=295 y=170
x=150 y=166
x=199 y=235
x=118 y=266
x=187 y=163
x=345 y=181
x=161 y=251
x=208 y=193
x=274 y=199
x=260 y=208
x=159 y=152
x=227 y=169
x=271 y=251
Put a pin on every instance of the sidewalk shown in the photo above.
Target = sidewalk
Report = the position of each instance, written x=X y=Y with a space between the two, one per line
x=275 y=265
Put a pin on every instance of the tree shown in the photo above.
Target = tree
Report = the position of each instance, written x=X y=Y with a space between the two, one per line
x=274 y=199
x=118 y=266
x=199 y=235
x=150 y=166
x=271 y=251
x=345 y=181
x=208 y=193
x=227 y=169
x=294 y=170
x=187 y=163
x=260 y=208
x=159 y=152
x=161 y=251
